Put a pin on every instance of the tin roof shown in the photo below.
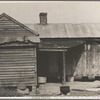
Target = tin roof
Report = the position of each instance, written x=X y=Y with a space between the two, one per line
x=68 y=30
x=12 y=30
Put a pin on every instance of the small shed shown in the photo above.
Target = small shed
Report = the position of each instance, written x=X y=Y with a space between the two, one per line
x=18 y=58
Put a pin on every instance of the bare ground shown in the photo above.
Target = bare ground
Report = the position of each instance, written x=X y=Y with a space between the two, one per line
x=77 y=89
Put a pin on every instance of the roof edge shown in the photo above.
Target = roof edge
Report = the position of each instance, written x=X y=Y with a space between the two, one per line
x=20 y=24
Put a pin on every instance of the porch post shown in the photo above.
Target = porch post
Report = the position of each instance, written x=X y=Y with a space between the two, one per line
x=64 y=69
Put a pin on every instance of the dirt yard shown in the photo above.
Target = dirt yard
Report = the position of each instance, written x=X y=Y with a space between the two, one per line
x=77 y=89
x=53 y=89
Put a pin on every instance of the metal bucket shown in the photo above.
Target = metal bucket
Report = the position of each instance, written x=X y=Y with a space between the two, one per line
x=64 y=89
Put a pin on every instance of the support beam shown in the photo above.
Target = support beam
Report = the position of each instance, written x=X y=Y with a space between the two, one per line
x=64 y=69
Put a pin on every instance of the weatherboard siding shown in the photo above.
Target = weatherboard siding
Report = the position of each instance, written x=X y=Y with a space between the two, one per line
x=11 y=30
x=17 y=65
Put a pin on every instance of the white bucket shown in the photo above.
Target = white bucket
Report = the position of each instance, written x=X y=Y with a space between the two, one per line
x=42 y=79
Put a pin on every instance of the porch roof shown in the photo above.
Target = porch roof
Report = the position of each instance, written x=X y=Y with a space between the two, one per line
x=68 y=30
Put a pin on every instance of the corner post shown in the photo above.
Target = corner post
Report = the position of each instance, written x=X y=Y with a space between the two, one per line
x=64 y=69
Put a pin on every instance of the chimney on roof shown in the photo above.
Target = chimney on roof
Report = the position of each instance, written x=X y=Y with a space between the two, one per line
x=43 y=18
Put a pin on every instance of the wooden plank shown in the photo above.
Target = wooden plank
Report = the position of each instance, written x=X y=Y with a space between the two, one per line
x=12 y=73
x=17 y=77
x=12 y=52
x=16 y=62
x=15 y=84
x=11 y=28
x=64 y=69
x=17 y=65
x=3 y=65
x=5 y=83
x=24 y=69
x=17 y=71
x=18 y=49
x=3 y=68
x=16 y=59
x=17 y=81
x=3 y=54
x=17 y=54
x=55 y=49
x=8 y=25
x=15 y=33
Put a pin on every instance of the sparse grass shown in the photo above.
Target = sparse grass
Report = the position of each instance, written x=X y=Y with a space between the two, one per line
x=9 y=92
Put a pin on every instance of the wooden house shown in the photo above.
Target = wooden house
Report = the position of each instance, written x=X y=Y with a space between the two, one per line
x=60 y=52
x=18 y=47
x=68 y=52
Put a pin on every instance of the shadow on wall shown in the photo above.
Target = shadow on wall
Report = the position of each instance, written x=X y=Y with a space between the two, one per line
x=73 y=56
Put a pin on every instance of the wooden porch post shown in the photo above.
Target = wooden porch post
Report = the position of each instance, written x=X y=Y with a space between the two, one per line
x=64 y=69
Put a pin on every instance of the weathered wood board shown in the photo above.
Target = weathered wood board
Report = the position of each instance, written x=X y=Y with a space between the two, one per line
x=17 y=65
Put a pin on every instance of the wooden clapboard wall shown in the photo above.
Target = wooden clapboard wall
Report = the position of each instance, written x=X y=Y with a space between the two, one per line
x=17 y=65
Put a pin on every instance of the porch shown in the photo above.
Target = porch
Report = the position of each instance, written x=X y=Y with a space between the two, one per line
x=58 y=64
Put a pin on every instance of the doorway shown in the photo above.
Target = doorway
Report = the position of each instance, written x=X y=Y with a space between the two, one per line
x=50 y=65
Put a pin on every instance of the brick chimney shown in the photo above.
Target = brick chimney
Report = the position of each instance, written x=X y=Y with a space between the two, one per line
x=43 y=18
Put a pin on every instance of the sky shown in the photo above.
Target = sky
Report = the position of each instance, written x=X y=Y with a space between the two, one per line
x=57 y=11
